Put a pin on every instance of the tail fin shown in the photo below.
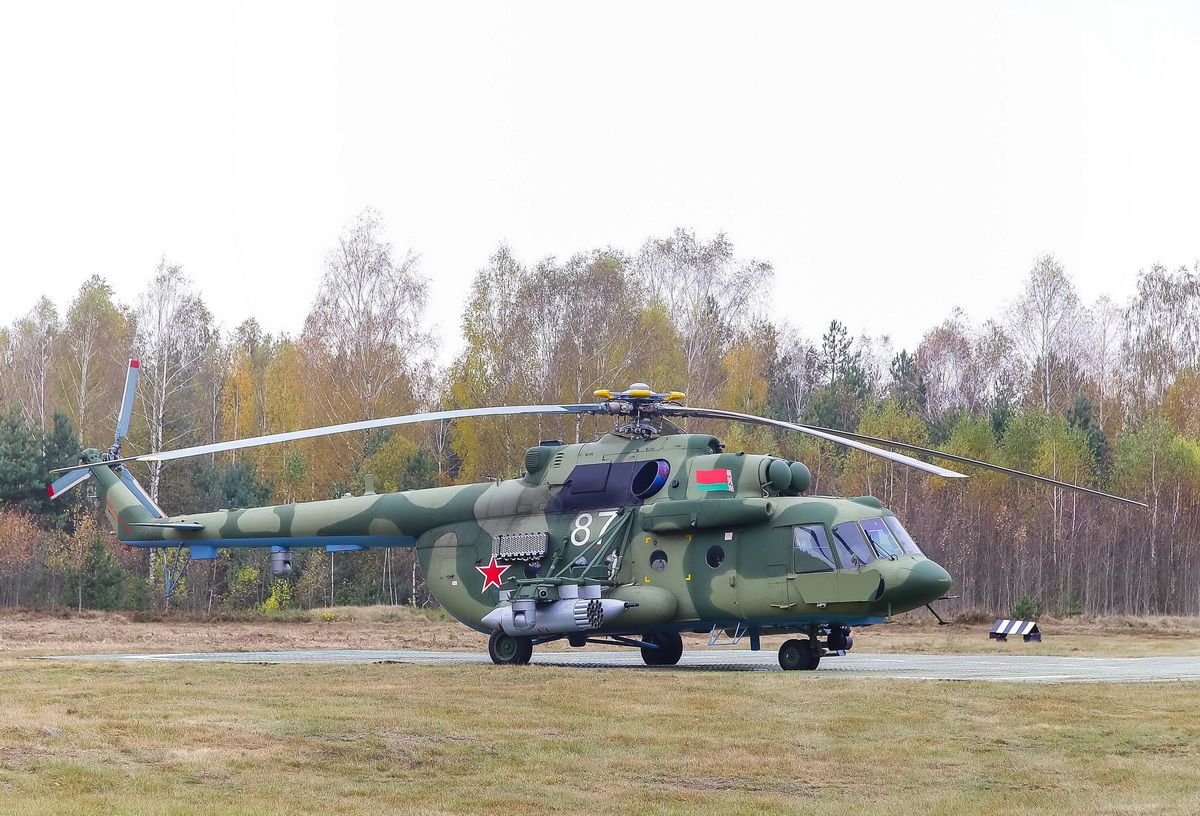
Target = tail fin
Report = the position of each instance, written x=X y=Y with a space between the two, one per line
x=122 y=506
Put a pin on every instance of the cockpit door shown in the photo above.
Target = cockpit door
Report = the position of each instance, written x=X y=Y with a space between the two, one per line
x=858 y=579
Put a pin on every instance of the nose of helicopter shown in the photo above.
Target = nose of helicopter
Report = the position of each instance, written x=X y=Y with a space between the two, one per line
x=925 y=582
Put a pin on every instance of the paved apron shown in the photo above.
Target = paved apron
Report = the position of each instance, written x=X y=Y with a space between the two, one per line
x=1001 y=668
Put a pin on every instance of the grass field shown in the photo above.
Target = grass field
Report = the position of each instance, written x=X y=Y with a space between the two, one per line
x=346 y=739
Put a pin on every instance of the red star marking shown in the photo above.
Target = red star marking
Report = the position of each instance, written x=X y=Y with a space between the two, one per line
x=492 y=573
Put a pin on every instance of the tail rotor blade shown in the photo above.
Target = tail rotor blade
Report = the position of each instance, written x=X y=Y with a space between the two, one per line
x=68 y=480
x=131 y=379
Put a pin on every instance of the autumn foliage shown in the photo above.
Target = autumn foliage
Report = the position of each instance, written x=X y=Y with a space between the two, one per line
x=1104 y=395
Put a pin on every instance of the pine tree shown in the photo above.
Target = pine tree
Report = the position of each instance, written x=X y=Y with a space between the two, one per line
x=22 y=472
x=60 y=448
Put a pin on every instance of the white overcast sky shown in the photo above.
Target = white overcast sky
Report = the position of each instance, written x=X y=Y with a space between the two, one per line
x=891 y=160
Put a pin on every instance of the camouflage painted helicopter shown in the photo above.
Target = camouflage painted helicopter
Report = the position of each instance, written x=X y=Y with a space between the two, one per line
x=631 y=540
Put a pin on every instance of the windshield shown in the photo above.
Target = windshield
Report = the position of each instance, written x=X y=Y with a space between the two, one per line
x=883 y=539
x=906 y=542
x=853 y=549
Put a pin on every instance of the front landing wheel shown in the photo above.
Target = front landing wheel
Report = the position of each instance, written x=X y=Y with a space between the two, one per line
x=506 y=650
x=798 y=655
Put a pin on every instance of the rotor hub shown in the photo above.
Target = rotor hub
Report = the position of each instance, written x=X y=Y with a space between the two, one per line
x=640 y=405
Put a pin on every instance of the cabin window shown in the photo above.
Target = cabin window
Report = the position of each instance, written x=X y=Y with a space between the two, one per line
x=853 y=549
x=658 y=560
x=715 y=556
x=881 y=537
x=810 y=550
x=906 y=541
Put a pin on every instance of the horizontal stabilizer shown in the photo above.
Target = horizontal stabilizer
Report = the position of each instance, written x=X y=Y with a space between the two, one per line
x=170 y=525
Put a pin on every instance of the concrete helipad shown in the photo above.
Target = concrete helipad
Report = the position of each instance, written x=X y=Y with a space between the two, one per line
x=1000 y=668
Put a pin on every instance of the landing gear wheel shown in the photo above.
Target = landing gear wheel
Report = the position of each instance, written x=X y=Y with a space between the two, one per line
x=670 y=649
x=798 y=655
x=507 y=650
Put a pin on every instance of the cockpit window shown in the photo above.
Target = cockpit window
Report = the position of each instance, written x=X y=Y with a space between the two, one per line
x=853 y=549
x=882 y=537
x=906 y=542
x=810 y=550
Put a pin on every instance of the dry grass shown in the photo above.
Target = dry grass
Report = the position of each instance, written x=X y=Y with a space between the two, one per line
x=347 y=739
x=39 y=633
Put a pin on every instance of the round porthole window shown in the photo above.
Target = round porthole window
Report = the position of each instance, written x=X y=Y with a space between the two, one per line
x=715 y=556
x=658 y=560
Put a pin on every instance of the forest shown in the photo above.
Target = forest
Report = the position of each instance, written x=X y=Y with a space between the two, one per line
x=1105 y=395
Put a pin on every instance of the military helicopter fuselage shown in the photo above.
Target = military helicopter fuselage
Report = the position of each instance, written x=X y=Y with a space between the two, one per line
x=647 y=533
x=632 y=536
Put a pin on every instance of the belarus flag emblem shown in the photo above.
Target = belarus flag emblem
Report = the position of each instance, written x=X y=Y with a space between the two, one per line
x=714 y=480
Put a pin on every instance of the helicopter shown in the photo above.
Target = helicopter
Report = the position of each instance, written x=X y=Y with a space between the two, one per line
x=631 y=540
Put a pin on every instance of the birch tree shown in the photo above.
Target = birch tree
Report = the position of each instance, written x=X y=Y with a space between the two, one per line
x=33 y=341
x=946 y=365
x=1043 y=324
x=549 y=334
x=708 y=293
x=603 y=334
x=1164 y=332
x=285 y=409
x=500 y=358
x=364 y=341
x=94 y=348
x=174 y=330
x=1100 y=359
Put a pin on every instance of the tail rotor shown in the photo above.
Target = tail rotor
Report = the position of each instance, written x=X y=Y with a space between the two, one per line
x=74 y=477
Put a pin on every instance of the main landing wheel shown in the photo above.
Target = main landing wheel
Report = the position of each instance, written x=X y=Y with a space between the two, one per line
x=507 y=650
x=670 y=649
x=798 y=655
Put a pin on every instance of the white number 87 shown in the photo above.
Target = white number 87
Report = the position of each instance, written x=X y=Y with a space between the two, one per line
x=581 y=532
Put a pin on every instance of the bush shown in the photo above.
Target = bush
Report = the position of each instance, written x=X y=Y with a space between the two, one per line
x=281 y=597
x=244 y=588
x=1074 y=607
x=1028 y=609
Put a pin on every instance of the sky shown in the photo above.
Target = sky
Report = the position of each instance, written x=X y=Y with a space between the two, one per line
x=892 y=161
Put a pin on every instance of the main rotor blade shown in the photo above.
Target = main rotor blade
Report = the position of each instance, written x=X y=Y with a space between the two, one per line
x=131 y=378
x=986 y=465
x=823 y=433
x=271 y=439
